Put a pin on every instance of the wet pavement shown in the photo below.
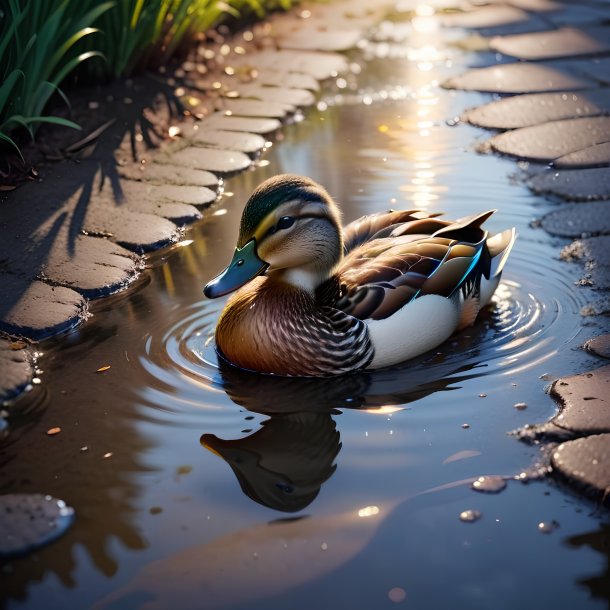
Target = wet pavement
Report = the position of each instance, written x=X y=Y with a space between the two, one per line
x=86 y=238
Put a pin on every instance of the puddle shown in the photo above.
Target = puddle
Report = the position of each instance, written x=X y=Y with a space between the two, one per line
x=212 y=471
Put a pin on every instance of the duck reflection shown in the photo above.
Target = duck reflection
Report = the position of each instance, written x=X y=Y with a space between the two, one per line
x=284 y=464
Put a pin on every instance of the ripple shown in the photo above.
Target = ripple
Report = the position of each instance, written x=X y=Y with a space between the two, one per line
x=534 y=314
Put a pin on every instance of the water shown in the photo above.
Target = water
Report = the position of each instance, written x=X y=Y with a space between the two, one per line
x=206 y=487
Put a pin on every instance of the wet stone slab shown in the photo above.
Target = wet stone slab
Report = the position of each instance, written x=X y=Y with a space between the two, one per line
x=314 y=39
x=597 y=155
x=548 y=141
x=499 y=19
x=594 y=252
x=136 y=231
x=575 y=184
x=565 y=42
x=29 y=521
x=16 y=371
x=585 y=464
x=536 y=108
x=37 y=310
x=290 y=79
x=520 y=78
x=257 y=108
x=318 y=65
x=212 y=159
x=248 y=143
x=578 y=219
x=600 y=346
x=157 y=173
x=221 y=121
x=585 y=402
x=284 y=95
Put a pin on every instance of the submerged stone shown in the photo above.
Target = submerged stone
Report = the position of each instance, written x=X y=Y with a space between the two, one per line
x=548 y=141
x=29 y=521
x=585 y=463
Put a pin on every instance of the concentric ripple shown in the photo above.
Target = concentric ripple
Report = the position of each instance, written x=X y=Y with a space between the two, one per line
x=534 y=314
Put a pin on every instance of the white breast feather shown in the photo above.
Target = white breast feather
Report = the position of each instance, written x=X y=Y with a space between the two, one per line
x=418 y=327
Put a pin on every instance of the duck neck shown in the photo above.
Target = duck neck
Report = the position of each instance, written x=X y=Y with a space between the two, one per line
x=306 y=278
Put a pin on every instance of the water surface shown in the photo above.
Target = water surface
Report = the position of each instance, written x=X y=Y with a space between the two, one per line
x=201 y=487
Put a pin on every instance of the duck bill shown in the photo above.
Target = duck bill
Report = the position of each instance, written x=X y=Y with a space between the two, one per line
x=245 y=266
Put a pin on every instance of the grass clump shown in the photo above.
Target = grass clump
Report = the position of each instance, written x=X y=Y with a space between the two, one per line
x=44 y=42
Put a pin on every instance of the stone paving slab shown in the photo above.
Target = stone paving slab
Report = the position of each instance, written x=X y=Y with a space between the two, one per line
x=520 y=77
x=600 y=346
x=597 y=155
x=535 y=108
x=89 y=265
x=136 y=231
x=597 y=68
x=291 y=79
x=565 y=42
x=241 y=141
x=548 y=141
x=585 y=464
x=37 y=310
x=594 y=252
x=574 y=220
x=579 y=14
x=16 y=371
x=221 y=121
x=216 y=160
x=296 y=97
x=489 y=16
x=256 y=108
x=157 y=173
x=314 y=39
x=317 y=64
x=573 y=184
x=585 y=402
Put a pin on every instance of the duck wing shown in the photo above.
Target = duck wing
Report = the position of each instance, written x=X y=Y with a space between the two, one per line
x=389 y=224
x=380 y=276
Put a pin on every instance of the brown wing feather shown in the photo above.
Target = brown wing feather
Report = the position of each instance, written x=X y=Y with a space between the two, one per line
x=386 y=224
x=402 y=261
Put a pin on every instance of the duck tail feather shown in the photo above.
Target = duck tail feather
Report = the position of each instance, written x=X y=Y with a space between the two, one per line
x=499 y=247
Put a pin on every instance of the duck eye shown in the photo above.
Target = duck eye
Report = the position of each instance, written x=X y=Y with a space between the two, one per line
x=284 y=222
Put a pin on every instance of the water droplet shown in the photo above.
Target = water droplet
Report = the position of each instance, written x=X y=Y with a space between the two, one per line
x=489 y=484
x=546 y=527
x=324 y=546
x=470 y=515
x=520 y=405
x=465 y=426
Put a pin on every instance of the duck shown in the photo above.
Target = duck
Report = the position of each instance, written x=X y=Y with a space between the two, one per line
x=310 y=298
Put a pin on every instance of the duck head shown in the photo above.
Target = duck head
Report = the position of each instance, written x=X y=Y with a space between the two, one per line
x=290 y=228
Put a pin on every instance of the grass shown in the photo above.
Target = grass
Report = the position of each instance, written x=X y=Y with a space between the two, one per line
x=42 y=42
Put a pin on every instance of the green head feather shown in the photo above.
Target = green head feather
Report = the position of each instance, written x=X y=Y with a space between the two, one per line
x=271 y=194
